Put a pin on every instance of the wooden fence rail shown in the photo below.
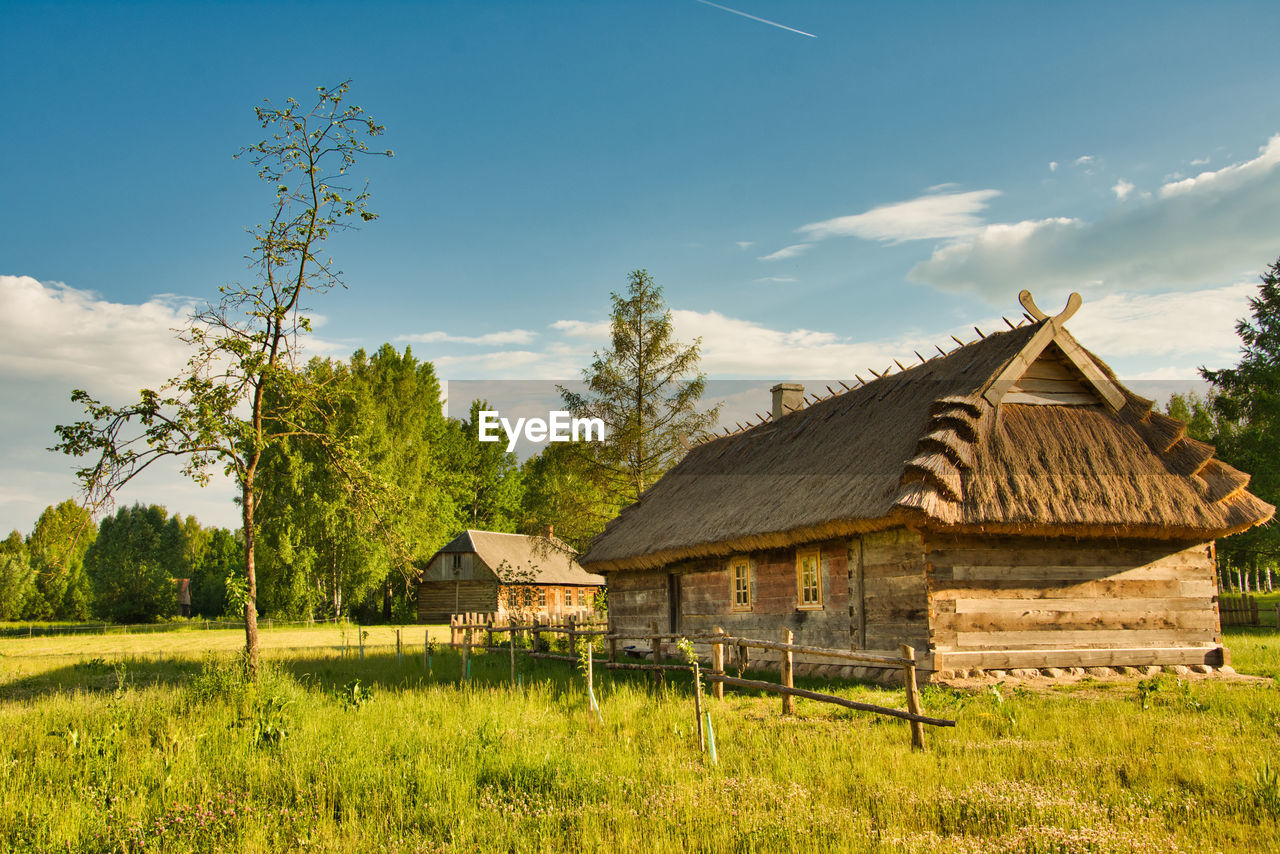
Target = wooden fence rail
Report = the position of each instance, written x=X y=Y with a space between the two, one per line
x=463 y=626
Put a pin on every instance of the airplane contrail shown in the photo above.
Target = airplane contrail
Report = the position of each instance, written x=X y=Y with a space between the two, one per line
x=754 y=18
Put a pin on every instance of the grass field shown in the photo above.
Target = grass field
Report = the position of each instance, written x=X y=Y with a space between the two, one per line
x=154 y=743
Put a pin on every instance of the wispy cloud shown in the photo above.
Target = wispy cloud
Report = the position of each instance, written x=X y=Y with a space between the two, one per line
x=777 y=280
x=787 y=252
x=1195 y=232
x=745 y=244
x=583 y=329
x=509 y=336
x=930 y=217
x=1122 y=189
x=754 y=18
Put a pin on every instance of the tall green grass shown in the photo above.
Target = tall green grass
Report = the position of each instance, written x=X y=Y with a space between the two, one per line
x=129 y=752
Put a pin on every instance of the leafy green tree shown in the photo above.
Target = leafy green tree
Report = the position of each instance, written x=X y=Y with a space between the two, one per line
x=17 y=579
x=560 y=491
x=1246 y=403
x=56 y=550
x=317 y=549
x=216 y=563
x=240 y=392
x=1197 y=413
x=485 y=477
x=646 y=389
x=129 y=566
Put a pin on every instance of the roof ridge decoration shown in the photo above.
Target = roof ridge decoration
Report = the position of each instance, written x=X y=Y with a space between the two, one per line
x=1053 y=331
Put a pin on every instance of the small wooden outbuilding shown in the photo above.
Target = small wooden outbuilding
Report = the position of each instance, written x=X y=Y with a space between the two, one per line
x=491 y=572
x=1006 y=505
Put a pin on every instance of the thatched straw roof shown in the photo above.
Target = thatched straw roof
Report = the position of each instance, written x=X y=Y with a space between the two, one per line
x=522 y=559
x=961 y=442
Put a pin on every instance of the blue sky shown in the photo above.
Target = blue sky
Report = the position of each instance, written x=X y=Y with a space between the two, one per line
x=812 y=206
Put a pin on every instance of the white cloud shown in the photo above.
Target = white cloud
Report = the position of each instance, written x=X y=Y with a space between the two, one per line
x=744 y=244
x=777 y=280
x=54 y=338
x=1200 y=161
x=1084 y=160
x=1197 y=232
x=787 y=252
x=597 y=330
x=1122 y=189
x=58 y=333
x=1199 y=323
x=1229 y=178
x=510 y=336
x=1053 y=166
x=929 y=217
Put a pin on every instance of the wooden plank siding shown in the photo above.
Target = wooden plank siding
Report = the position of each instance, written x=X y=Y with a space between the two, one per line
x=1043 y=602
x=438 y=600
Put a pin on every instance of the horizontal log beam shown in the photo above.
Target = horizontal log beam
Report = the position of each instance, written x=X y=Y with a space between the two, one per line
x=826 y=698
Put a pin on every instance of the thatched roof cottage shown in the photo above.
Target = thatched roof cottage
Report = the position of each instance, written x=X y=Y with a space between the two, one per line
x=1006 y=505
x=491 y=572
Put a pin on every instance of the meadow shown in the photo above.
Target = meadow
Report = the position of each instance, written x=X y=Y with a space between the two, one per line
x=155 y=743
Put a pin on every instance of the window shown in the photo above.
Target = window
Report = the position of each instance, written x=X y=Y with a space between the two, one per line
x=513 y=598
x=457 y=561
x=542 y=597
x=740 y=583
x=808 y=578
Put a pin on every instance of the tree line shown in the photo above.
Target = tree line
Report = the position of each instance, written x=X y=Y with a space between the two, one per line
x=319 y=552
x=1240 y=416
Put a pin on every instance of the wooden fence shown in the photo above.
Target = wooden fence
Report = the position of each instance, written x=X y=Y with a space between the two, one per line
x=465 y=630
x=1240 y=610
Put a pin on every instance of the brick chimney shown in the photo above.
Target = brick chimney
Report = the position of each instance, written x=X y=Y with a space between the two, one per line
x=787 y=397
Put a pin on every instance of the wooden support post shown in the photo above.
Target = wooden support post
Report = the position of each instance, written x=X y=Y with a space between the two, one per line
x=571 y=632
x=744 y=659
x=613 y=641
x=788 y=673
x=717 y=665
x=913 y=695
x=453 y=631
x=536 y=634
x=399 y=649
x=697 y=705
x=466 y=653
x=511 y=635
x=488 y=642
x=426 y=651
x=591 y=688
x=360 y=631
x=656 y=645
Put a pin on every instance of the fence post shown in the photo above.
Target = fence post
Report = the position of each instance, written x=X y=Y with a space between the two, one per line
x=453 y=632
x=426 y=651
x=466 y=653
x=613 y=641
x=657 y=651
x=360 y=632
x=572 y=633
x=697 y=704
x=788 y=673
x=489 y=627
x=913 y=695
x=399 y=649
x=511 y=636
x=717 y=664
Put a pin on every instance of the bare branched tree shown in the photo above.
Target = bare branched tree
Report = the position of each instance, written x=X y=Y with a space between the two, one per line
x=242 y=391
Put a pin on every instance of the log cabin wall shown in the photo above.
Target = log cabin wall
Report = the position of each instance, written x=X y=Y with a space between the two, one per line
x=438 y=600
x=1010 y=602
x=887 y=592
